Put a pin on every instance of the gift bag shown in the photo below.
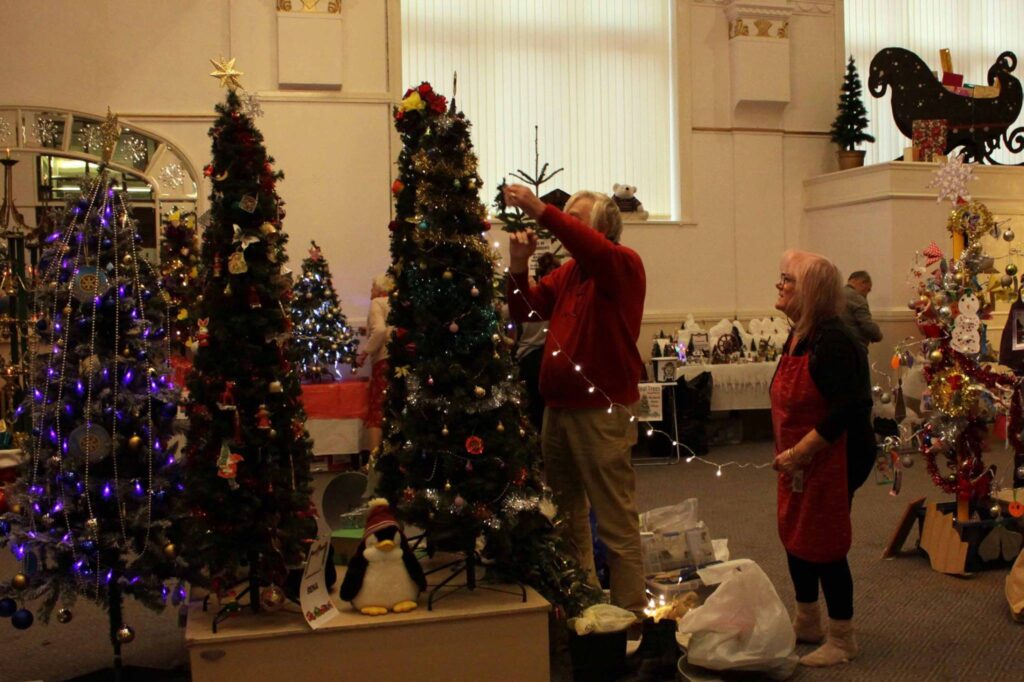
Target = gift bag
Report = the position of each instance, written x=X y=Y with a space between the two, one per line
x=743 y=625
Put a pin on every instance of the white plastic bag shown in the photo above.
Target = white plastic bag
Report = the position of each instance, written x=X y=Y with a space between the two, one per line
x=602 y=618
x=743 y=625
x=677 y=518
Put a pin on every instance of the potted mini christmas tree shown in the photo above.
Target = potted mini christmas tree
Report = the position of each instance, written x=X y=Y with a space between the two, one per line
x=851 y=121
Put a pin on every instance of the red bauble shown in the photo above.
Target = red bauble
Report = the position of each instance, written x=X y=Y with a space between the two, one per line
x=475 y=445
x=208 y=170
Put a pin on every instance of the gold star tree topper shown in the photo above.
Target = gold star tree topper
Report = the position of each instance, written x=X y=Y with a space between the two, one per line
x=226 y=72
x=110 y=132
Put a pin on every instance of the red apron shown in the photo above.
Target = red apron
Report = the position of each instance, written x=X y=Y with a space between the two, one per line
x=814 y=525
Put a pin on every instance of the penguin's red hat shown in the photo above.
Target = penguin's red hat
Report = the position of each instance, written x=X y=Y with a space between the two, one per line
x=379 y=517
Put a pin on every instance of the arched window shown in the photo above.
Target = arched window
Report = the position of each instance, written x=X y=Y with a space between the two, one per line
x=58 y=148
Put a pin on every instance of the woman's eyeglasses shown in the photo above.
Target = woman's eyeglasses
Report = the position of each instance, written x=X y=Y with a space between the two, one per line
x=785 y=279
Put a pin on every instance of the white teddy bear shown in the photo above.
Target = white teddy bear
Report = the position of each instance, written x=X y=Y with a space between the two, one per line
x=624 y=197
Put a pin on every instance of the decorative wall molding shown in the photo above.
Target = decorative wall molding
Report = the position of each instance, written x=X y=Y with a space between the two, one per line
x=813 y=7
x=756 y=20
x=310 y=6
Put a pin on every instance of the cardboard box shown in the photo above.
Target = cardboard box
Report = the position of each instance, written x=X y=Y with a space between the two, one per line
x=986 y=91
x=946 y=59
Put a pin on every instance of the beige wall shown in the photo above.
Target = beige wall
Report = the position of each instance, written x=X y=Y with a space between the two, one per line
x=877 y=217
x=753 y=112
x=150 y=58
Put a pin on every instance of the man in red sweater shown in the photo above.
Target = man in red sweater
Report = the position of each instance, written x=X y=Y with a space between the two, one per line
x=589 y=374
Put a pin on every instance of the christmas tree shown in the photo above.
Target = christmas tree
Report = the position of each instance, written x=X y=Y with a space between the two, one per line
x=460 y=457
x=852 y=118
x=322 y=335
x=965 y=393
x=248 y=455
x=92 y=512
x=179 y=269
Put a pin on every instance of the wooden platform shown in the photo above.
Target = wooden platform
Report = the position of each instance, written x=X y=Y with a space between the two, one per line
x=479 y=635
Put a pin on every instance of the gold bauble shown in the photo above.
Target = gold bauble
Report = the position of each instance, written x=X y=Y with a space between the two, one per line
x=19 y=581
x=444 y=430
x=447 y=275
x=126 y=635
x=135 y=442
x=501 y=427
x=170 y=550
x=935 y=356
x=479 y=391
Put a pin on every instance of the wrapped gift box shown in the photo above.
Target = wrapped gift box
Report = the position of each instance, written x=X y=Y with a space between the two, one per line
x=986 y=91
x=929 y=138
x=954 y=79
x=964 y=92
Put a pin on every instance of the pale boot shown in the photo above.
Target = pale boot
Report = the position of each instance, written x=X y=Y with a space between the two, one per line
x=807 y=623
x=840 y=646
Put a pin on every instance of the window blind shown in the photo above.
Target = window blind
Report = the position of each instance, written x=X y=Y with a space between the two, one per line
x=593 y=75
x=975 y=31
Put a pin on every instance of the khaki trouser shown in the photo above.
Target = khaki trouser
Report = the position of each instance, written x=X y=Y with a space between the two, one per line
x=587 y=457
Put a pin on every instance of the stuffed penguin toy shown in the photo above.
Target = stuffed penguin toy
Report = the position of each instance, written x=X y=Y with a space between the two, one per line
x=383 y=574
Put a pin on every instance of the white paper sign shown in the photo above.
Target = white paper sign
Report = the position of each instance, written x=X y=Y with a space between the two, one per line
x=649 y=408
x=314 y=597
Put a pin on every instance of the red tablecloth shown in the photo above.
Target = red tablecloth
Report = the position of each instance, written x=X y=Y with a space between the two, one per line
x=337 y=400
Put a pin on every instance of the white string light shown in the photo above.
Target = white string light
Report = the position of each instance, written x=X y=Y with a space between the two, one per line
x=592 y=388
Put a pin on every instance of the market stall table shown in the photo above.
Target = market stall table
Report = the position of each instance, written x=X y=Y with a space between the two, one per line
x=334 y=415
x=741 y=386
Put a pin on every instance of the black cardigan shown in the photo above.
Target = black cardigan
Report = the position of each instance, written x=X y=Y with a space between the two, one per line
x=839 y=368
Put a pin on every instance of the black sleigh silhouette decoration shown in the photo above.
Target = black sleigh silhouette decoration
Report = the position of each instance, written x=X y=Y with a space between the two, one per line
x=977 y=125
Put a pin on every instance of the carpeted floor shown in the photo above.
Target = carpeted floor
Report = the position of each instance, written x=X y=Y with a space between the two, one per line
x=913 y=623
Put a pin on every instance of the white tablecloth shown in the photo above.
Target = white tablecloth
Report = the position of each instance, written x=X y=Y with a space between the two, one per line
x=735 y=387
x=335 y=436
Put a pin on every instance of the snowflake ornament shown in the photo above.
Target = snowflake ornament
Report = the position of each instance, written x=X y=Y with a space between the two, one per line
x=135 y=149
x=172 y=176
x=251 y=106
x=90 y=137
x=951 y=180
x=5 y=130
x=45 y=131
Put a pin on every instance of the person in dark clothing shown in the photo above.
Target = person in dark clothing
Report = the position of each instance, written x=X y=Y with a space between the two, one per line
x=530 y=347
x=821 y=402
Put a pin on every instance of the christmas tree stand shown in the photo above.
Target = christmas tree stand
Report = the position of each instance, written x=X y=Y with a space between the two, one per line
x=466 y=565
x=119 y=672
x=953 y=546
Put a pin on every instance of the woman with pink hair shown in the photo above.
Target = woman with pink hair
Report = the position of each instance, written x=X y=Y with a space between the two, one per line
x=821 y=402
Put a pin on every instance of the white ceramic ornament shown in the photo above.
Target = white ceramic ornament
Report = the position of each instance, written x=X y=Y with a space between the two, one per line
x=967 y=326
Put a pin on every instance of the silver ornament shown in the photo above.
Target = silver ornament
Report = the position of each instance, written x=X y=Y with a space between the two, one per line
x=1020 y=472
x=64 y=616
x=885 y=398
x=1008 y=235
x=944 y=311
x=1006 y=280
x=876 y=390
x=126 y=635
x=907 y=461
